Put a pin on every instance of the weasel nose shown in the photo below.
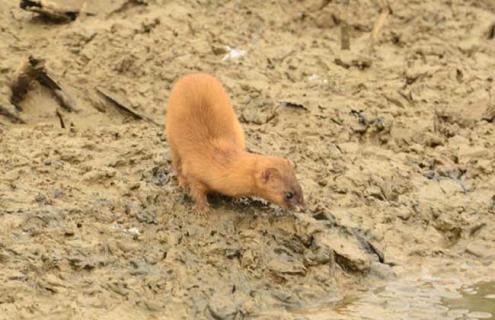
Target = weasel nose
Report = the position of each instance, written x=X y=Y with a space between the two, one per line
x=301 y=207
x=301 y=204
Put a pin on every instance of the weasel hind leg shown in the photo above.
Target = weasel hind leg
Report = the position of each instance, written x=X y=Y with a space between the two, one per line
x=177 y=165
x=198 y=192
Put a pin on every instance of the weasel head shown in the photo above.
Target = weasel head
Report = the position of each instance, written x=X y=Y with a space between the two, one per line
x=276 y=182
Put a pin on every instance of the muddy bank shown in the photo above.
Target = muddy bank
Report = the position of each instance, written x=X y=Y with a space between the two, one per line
x=393 y=140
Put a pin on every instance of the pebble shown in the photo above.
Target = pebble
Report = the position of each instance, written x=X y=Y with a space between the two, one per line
x=403 y=213
x=133 y=231
x=286 y=265
x=477 y=249
x=382 y=271
x=127 y=246
x=222 y=308
x=152 y=305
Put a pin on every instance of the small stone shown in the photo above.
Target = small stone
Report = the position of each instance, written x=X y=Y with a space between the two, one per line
x=218 y=49
x=133 y=231
x=403 y=213
x=348 y=253
x=57 y=193
x=140 y=268
x=135 y=186
x=152 y=305
x=282 y=296
x=155 y=256
x=478 y=249
x=382 y=271
x=319 y=256
x=53 y=280
x=232 y=253
x=375 y=192
x=432 y=140
x=249 y=259
x=284 y=264
x=222 y=308
x=42 y=199
x=146 y=217
x=450 y=187
x=127 y=246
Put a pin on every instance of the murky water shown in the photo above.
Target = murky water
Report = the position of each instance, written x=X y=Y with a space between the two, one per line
x=416 y=299
x=475 y=302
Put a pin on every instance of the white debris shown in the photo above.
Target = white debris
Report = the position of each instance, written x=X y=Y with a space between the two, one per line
x=313 y=77
x=133 y=231
x=233 y=53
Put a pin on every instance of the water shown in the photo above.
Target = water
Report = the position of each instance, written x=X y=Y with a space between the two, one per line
x=415 y=299
x=476 y=302
x=433 y=299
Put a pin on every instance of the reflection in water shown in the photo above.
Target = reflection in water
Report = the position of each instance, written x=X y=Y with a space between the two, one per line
x=428 y=300
x=416 y=299
x=477 y=301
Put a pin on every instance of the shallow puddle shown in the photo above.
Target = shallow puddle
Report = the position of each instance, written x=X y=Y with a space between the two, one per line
x=426 y=300
x=418 y=299
x=474 y=302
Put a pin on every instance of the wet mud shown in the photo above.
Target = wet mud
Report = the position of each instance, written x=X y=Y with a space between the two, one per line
x=394 y=142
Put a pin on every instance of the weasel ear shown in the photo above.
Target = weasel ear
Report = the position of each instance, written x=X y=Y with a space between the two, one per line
x=268 y=174
x=292 y=164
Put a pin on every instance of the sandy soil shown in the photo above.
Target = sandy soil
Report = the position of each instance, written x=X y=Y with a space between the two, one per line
x=394 y=143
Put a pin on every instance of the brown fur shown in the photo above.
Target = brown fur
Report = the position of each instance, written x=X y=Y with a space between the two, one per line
x=208 y=148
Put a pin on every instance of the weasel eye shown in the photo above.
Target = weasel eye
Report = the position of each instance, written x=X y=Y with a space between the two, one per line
x=289 y=195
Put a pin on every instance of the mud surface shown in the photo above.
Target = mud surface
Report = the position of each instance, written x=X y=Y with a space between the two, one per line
x=394 y=142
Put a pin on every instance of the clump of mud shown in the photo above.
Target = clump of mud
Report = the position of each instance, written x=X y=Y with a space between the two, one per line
x=393 y=140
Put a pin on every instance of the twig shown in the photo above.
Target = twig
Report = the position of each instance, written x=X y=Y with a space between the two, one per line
x=49 y=10
x=121 y=107
x=290 y=104
x=491 y=32
x=385 y=11
x=345 y=43
x=361 y=64
x=59 y=115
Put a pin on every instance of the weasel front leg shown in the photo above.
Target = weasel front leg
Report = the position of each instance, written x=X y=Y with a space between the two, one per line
x=198 y=192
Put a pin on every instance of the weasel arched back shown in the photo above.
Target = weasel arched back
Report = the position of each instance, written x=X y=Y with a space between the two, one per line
x=200 y=110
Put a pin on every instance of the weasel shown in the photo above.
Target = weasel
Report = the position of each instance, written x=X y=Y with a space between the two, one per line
x=208 y=149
